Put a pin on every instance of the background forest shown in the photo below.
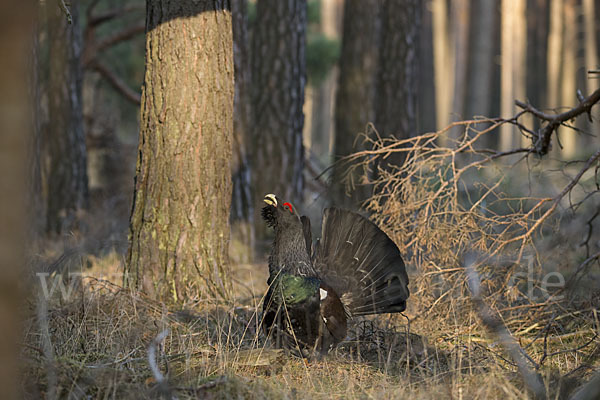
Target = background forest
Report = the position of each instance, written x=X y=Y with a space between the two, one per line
x=140 y=139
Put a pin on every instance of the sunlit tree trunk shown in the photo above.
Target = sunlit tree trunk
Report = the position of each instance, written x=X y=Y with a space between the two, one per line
x=591 y=54
x=242 y=223
x=278 y=77
x=179 y=225
x=354 y=104
x=568 y=86
x=398 y=73
x=67 y=184
x=460 y=40
x=514 y=45
x=443 y=63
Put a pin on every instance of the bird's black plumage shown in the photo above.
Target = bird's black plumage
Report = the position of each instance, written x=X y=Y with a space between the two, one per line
x=354 y=269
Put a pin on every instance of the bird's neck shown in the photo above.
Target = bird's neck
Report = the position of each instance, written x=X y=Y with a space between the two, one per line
x=289 y=254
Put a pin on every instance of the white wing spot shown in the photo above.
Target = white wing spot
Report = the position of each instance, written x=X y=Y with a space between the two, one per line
x=325 y=319
x=323 y=293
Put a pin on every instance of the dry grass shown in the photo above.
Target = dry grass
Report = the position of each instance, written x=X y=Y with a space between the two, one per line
x=445 y=201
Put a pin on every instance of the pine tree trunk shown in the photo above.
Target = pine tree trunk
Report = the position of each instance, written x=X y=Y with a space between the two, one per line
x=354 y=104
x=426 y=119
x=179 y=228
x=279 y=78
x=398 y=75
x=67 y=184
x=460 y=39
x=513 y=82
x=242 y=214
x=481 y=59
x=443 y=63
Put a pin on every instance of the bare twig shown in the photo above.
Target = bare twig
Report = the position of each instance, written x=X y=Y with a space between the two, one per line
x=117 y=83
x=95 y=20
x=118 y=37
x=492 y=321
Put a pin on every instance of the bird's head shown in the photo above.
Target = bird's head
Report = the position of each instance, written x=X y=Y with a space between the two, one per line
x=278 y=214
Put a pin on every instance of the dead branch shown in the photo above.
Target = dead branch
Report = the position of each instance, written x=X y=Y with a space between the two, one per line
x=122 y=36
x=117 y=82
x=494 y=323
x=95 y=20
x=543 y=135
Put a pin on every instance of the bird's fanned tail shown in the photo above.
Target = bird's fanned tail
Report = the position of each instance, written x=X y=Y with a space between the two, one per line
x=361 y=263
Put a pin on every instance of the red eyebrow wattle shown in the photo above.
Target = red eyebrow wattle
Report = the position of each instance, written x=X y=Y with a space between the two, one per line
x=289 y=205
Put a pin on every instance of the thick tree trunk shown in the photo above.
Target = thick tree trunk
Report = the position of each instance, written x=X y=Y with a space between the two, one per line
x=354 y=104
x=67 y=184
x=279 y=77
x=242 y=214
x=398 y=75
x=179 y=225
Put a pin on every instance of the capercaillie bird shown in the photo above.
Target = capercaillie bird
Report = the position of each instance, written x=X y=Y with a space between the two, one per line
x=354 y=269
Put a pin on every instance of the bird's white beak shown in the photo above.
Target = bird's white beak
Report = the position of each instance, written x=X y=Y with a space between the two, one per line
x=271 y=200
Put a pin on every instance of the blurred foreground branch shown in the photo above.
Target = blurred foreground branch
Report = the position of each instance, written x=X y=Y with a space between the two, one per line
x=494 y=323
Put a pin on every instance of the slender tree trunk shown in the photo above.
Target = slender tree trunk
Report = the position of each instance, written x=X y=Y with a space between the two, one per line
x=513 y=84
x=279 y=78
x=555 y=36
x=443 y=63
x=67 y=176
x=426 y=121
x=179 y=225
x=481 y=58
x=460 y=40
x=568 y=85
x=591 y=55
x=354 y=104
x=15 y=124
x=322 y=127
x=397 y=79
x=537 y=48
x=242 y=212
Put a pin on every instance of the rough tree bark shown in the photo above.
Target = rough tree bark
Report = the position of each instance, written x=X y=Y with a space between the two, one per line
x=242 y=214
x=179 y=228
x=354 y=104
x=67 y=186
x=398 y=72
x=279 y=78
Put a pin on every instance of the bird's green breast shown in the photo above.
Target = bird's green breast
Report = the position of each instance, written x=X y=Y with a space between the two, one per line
x=292 y=289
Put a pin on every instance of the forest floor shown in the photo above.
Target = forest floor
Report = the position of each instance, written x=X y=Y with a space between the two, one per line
x=100 y=341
